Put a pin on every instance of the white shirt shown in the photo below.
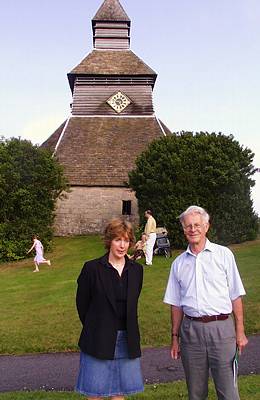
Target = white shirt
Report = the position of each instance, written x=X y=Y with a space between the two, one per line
x=206 y=283
x=38 y=246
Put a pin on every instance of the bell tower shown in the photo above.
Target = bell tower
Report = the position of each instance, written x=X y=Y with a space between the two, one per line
x=112 y=121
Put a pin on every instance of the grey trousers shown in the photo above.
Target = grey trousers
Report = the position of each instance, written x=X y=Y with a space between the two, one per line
x=209 y=346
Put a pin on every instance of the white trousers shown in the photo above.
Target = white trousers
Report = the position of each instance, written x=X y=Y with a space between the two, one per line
x=149 y=248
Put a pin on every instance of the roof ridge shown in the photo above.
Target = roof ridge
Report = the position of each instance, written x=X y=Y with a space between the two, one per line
x=111 y=10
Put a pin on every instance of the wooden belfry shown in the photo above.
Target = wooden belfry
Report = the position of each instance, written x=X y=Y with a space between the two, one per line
x=112 y=121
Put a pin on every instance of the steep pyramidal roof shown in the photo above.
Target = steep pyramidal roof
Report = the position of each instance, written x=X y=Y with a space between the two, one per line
x=101 y=151
x=109 y=62
x=111 y=10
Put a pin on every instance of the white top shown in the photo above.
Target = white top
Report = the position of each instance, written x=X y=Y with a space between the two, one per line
x=204 y=284
x=38 y=246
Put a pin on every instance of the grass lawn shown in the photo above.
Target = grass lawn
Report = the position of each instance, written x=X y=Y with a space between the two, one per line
x=38 y=311
x=249 y=388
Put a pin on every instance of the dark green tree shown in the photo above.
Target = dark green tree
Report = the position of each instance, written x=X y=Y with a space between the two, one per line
x=30 y=182
x=209 y=170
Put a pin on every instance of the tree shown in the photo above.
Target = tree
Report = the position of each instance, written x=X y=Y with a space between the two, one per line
x=209 y=170
x=30 y=182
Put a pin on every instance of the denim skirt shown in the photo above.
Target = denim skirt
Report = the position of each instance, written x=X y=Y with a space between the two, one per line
x=105 y=378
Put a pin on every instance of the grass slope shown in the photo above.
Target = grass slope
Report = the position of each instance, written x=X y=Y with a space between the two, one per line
x=38 y=311
x=249 y=388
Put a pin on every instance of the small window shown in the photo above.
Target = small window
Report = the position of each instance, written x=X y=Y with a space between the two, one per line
x=126 y=207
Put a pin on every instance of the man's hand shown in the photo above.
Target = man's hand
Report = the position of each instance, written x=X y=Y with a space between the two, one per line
x=241 y=341
x=176 y=317
x=239 y=322
x=175 y=349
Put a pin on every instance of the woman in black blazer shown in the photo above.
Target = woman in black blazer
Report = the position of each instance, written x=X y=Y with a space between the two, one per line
x=107 y=300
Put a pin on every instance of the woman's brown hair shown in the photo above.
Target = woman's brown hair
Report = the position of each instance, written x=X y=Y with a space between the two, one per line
x=118 y=228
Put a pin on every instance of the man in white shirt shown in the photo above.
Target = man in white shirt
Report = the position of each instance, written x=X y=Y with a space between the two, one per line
x=150 y=231
x=204 y=289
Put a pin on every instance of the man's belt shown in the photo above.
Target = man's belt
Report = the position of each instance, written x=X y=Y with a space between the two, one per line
x=209 y=318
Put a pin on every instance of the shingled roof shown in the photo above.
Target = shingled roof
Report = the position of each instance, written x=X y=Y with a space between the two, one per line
x=101 y=151
x=111 y=10
x=52 y=140
x=111 y=62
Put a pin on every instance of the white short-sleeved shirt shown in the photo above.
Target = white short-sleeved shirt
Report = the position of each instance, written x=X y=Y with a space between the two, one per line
x=206 y=283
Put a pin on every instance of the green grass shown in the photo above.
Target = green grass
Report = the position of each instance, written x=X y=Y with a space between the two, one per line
x=38 y=311
x=249 y=388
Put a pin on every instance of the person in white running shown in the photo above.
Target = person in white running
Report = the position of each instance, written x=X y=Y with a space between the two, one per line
x=150 y=231
x=38 y=259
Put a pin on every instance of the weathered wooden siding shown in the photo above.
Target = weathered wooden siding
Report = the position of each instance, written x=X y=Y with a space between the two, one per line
x=91 y=99
x=111 y=35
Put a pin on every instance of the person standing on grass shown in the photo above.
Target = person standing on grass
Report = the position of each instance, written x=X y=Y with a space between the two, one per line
x=150 y=231
x=38 y=259
x=107 y=300
x=204 y=289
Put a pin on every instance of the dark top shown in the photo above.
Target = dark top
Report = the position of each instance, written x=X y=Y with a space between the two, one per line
x=99 y=309
x=120 y=289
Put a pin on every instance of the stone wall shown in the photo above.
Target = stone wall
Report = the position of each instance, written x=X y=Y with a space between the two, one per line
x=88 y=209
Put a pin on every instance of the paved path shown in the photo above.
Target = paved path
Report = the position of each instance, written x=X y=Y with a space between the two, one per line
x=58 y=371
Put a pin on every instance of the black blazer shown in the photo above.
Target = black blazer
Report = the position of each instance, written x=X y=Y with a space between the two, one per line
x=96 y=306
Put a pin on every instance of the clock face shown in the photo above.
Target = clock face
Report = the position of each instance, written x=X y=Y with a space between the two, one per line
x=119 y=101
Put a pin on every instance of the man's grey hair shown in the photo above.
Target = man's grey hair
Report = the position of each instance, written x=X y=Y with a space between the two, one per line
x=194 y=210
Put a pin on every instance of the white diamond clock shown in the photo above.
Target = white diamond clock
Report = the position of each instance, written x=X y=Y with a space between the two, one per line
x=119 y=101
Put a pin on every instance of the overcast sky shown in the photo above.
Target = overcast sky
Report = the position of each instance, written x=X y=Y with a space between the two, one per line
x=206 y=54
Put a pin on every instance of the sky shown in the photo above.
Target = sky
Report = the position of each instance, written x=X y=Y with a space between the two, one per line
x=206 y=54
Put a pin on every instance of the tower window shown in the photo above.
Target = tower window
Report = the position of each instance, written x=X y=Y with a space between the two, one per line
x=126 y=207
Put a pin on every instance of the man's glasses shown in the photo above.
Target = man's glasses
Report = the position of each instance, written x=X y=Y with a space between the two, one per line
x=195 y=227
